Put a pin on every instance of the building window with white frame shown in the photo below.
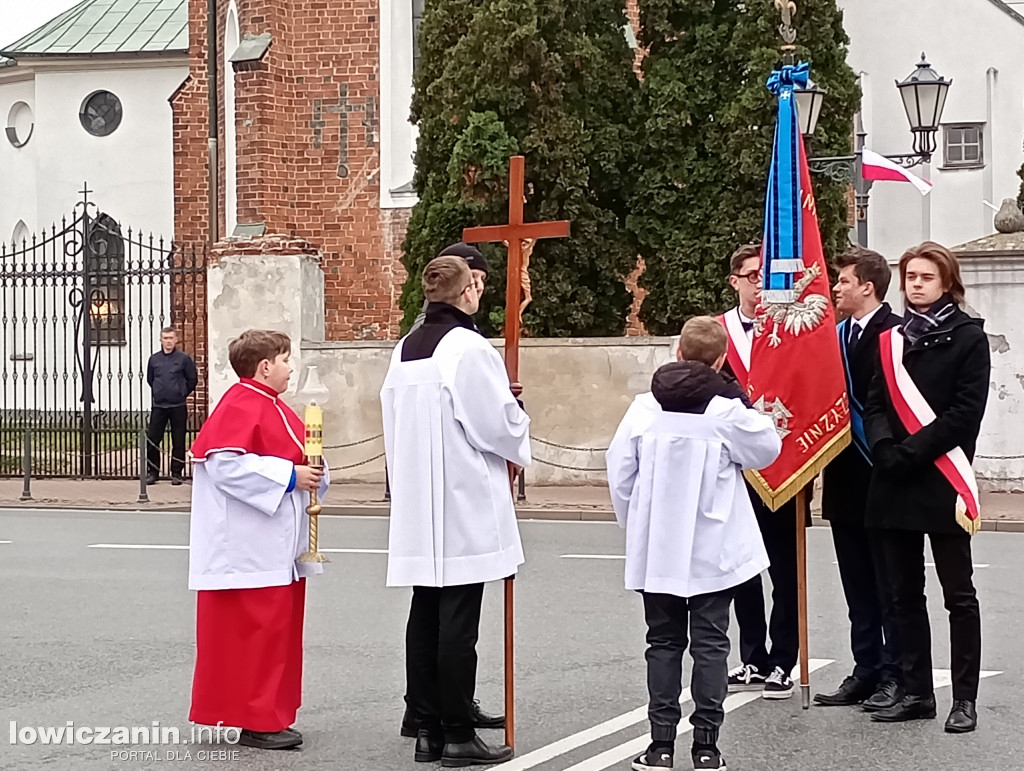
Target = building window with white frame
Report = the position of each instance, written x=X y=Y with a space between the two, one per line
x=963 y=144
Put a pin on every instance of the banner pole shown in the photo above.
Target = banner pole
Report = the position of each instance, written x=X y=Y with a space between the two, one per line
x=801 y=583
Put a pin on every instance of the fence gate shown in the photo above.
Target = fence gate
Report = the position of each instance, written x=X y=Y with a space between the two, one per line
x=82 y=309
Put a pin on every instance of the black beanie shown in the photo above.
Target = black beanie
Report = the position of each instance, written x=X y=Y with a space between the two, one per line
x=469 y=253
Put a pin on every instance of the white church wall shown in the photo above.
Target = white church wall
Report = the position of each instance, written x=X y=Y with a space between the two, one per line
x=17 y=164
x=397 y=135
x=963 y=41
x=130 y=171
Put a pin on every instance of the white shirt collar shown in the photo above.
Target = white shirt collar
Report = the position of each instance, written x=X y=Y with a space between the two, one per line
x=863 y=321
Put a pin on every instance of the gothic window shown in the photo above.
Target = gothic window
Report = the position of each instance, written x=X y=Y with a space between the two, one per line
x=20 y=239
x=100 y=113
x=964 y=145
x=417 y=20
x=105 y=279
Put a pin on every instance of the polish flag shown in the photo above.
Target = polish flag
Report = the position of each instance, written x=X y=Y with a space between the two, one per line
x=878 y=168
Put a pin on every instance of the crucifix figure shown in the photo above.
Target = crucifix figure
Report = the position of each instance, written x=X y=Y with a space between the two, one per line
x=517 y=297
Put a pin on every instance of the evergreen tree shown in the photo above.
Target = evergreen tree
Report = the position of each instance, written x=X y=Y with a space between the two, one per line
x=709 y=127
x=551 y=80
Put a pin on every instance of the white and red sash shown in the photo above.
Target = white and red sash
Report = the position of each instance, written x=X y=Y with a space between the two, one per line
x=915 y=413
x=738 y=350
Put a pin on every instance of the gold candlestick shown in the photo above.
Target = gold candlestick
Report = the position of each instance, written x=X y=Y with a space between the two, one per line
x=314 y=419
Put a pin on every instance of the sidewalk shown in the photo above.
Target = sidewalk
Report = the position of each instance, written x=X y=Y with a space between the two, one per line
x=1000 y=511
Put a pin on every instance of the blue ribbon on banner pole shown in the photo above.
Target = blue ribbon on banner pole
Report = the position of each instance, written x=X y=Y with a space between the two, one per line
x=858 y=434
x=783 y=252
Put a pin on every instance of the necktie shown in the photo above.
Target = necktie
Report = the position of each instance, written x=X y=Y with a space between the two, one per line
x=851 y=344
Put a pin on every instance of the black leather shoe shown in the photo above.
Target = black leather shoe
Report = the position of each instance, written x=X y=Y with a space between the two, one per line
x=151 y=479
x=281 y=740
x=889 y=694
x=293 y=732
x=963 y=718
x=482 y=720
x=177 y=480
x=411 y=726
x=852 y=691
x=909 y=708
x=429 y=746
x=475 y=752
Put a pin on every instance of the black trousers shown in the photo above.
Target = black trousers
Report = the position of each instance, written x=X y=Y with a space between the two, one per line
x=669 y=619
x=158 y=420
x=904 y=558
x=778 y=529
x=440 y=658
x=874 y=632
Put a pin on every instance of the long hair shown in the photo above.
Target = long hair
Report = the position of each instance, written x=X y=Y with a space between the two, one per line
x=949 y=268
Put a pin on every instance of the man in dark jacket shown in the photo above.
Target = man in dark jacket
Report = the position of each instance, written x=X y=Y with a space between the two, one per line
x=171 y=375
x=945 y=364
x=877 y=679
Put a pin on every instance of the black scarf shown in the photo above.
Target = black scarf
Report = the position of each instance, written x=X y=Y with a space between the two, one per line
x=918 y=324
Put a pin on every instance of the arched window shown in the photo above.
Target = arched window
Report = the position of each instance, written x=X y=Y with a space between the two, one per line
x=105 y=277
x=21 y=236
x=231 y=40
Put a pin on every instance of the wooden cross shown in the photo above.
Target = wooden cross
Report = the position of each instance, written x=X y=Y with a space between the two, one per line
x=513 y=234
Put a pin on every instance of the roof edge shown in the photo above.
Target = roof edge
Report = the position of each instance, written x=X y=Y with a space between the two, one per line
x=1008 y=10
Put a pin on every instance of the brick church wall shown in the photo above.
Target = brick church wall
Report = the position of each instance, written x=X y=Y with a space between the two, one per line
x=308 y=149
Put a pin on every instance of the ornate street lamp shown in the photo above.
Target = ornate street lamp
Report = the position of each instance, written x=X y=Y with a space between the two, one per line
x=924 y=96
x=808 y=106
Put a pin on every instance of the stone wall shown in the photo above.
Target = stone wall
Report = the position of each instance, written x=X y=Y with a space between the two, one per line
x=576 y=391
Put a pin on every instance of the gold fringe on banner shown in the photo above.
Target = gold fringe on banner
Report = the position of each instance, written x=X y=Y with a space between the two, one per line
x=774 y=499
x=972 y=526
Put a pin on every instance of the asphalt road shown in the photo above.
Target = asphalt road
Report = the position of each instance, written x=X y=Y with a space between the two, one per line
x=103 y=637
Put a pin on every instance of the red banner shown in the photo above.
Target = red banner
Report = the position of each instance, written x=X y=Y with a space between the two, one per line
x=796 y=370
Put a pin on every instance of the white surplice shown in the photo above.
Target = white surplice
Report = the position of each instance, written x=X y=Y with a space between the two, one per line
x=450 y=425
x=247 y=531
x=677 y=487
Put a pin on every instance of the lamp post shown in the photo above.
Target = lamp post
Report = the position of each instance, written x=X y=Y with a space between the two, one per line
x=924 y=97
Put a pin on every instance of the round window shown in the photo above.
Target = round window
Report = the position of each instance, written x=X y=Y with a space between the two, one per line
x=20 y=123
x=100 y=113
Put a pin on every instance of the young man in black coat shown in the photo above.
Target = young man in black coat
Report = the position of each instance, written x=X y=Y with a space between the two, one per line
x=946 y=357
x=877 y=678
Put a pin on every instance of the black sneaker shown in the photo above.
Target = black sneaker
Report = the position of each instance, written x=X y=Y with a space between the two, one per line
x=745 y=678
x=778 y=685
x=708 y=759
x=652 y=759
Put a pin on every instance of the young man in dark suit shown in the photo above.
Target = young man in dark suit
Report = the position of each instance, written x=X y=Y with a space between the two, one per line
x=876 y=681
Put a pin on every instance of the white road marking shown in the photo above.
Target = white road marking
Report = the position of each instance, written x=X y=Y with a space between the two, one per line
x=977 y=565
x=609 y=727
x=593 y=556
x=943 y=678
x=185 y=547
x=135 y=546
x=633 y=747
x=5 y=542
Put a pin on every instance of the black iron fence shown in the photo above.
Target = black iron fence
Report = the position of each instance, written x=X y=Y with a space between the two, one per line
x=81 y=312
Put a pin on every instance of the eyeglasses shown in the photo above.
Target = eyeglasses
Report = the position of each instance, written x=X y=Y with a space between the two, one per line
x=753 y=277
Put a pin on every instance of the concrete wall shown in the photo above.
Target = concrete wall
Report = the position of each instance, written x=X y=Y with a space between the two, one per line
x=886 y=41
x=995 y=292
x=576 y=391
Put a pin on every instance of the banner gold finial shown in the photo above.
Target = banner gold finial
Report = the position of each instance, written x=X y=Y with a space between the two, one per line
x=788 y=9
